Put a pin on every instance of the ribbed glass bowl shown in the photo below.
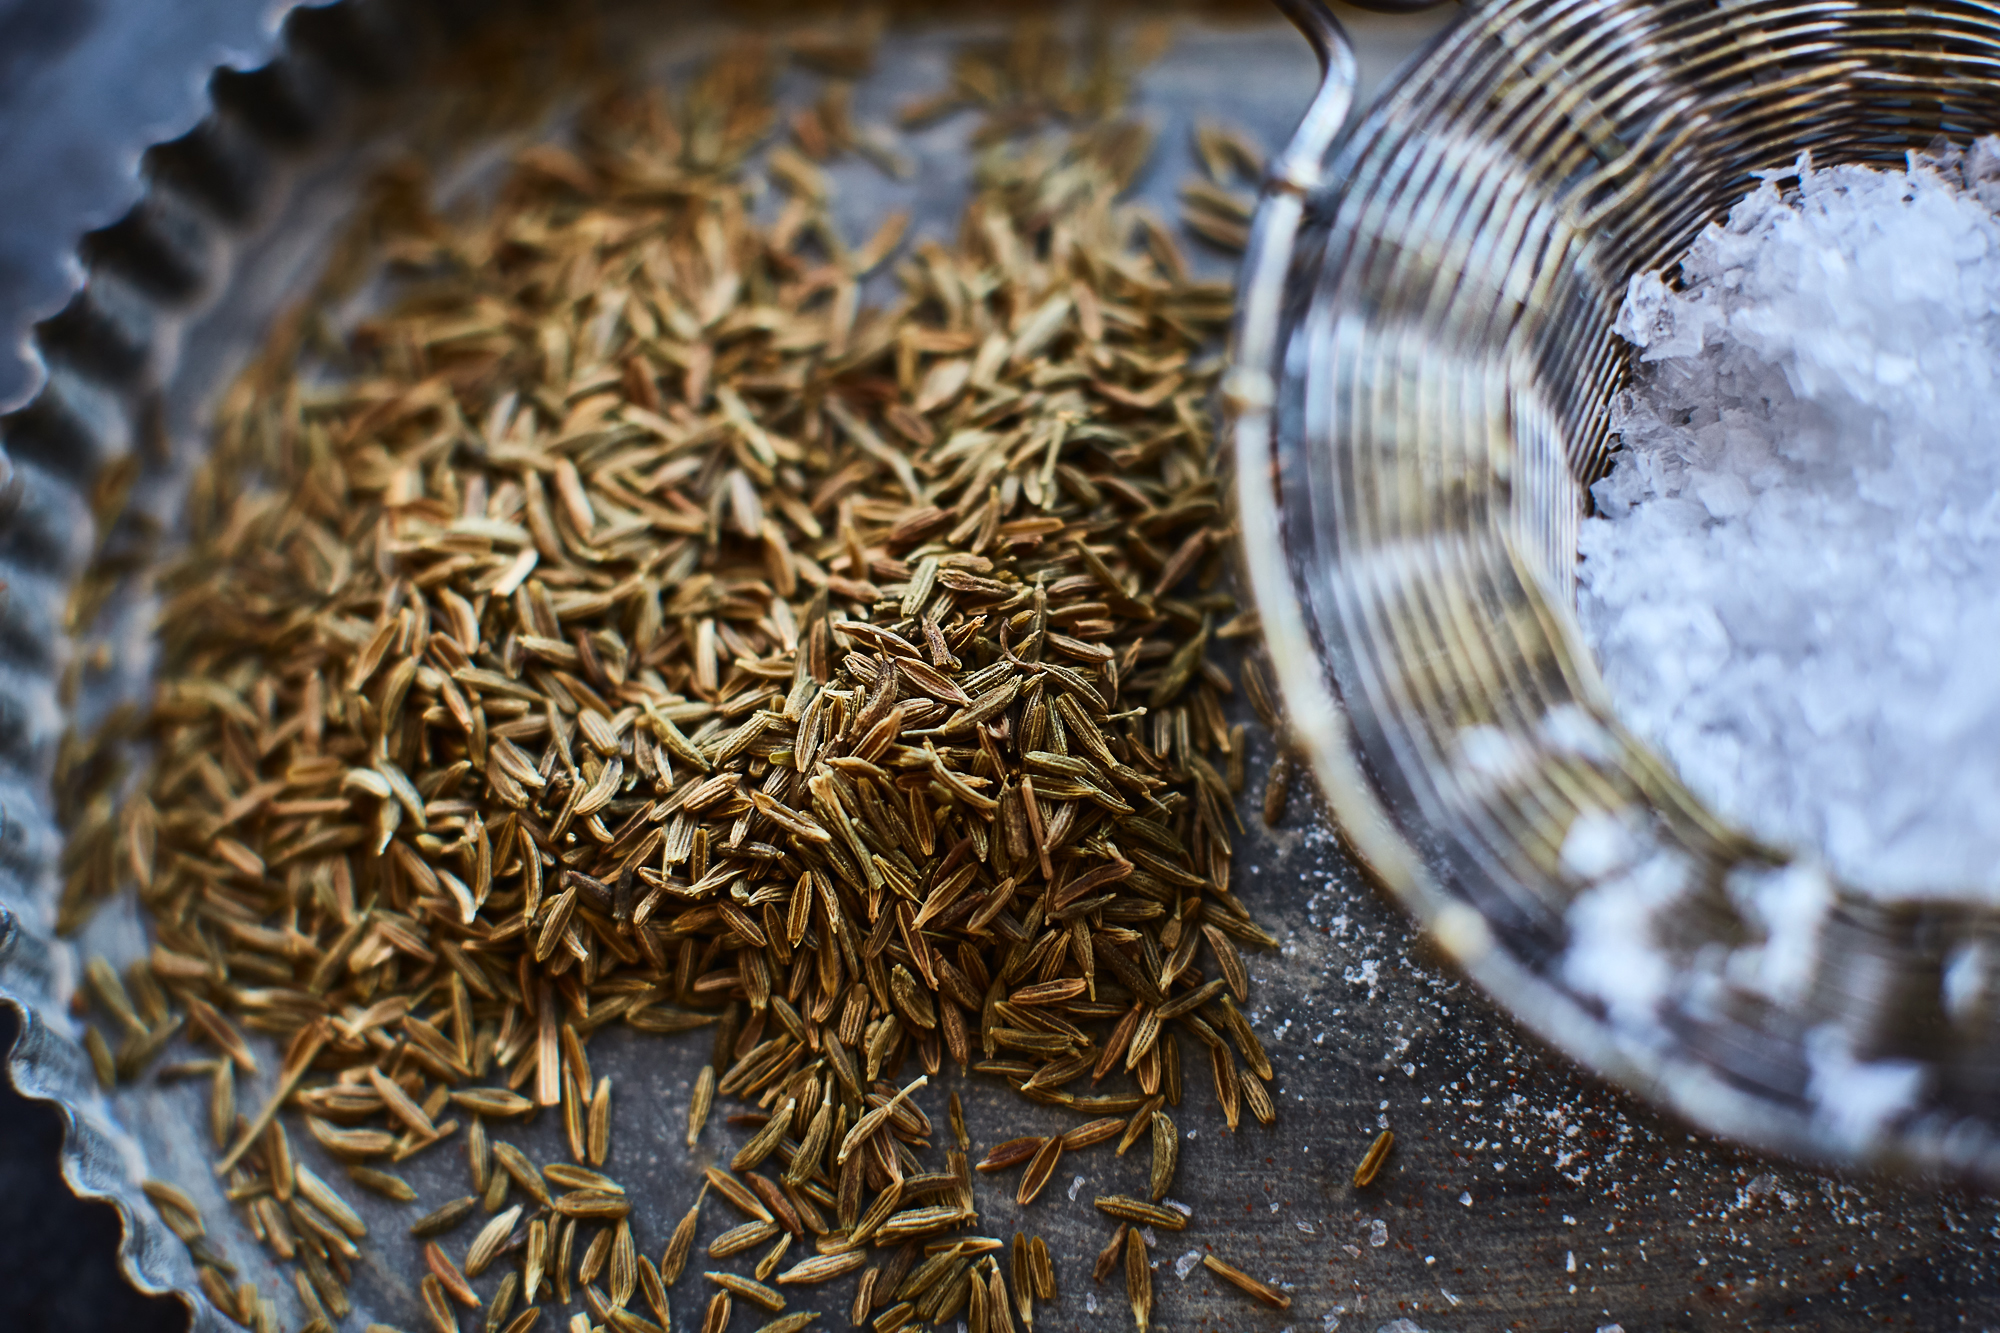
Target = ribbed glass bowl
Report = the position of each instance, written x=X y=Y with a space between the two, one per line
x=1423 y=367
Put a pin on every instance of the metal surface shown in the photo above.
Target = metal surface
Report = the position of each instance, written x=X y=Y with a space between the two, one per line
x=1508 y=1166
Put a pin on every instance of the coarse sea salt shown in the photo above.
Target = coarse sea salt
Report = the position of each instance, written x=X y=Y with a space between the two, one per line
x=1793 y=581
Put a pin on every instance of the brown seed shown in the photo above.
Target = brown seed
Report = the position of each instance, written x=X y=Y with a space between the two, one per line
x=704 y=1096
x=979 y=1301
x=221 y=1096
x=443 y=1218
x=593 y=1205
x=812 y=1147
x=823 y=1267
x=957 y=1113
x=491 y=1237
x=177 y=1208
x=447 y=1273
x=1138 y=1280
x=1259 y=1100
x=328 y=1200
x=1226 y=1091
x=874 y=1120
x=1041 y=1169
x=515 y=1165
x=1129 y=1209
x=384 y=1183
x=1277 y=788
x=1246 y=1042
x=791 y=1323
x=1043 y=1269
x=681 y=1243
x=740 y=1238
x=437 y=1306
x=477 y=1156
x=1020 y=1266
x=534 y=1263
x=560 y=1269
x=496 y=1191
x=598 y=1136
x=766 y=1141
x=1141 y=1123
x=772 y=1257
x=1011 y=1153
x=1372 y=1160
x=498 y=1102
x=1166 y=1153
x=864 y=1297
x=717 y=1317
x=502 y=1305
x=1108 y=1257
x=1242 y=1281
x=581 y=1178
x=597 y=1255
x=1095 y=1132
x=655 y=1291
x=280 y=1167
x=1229 y=961
x=754 y=1292
x=739 y=1194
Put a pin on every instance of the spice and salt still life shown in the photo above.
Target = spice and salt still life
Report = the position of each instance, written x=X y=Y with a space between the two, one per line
x=640 y=604
x=631 y=625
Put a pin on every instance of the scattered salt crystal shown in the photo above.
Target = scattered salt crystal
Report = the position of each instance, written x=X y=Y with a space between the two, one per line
x=1378 y=1233
x=1186 y=1264
x=1075 y=1184
x=1793 y=587
x=1177 y=1206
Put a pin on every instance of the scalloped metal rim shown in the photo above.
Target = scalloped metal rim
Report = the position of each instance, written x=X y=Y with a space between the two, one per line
x=1319 y=719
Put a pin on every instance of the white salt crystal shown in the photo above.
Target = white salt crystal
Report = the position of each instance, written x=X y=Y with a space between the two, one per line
x=1793 y=586
x=1186 y=1264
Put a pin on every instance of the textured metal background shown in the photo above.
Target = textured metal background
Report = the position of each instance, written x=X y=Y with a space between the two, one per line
x=1521 y=1194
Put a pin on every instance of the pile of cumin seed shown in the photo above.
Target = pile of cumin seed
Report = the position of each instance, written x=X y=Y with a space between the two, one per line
x=631 y=626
